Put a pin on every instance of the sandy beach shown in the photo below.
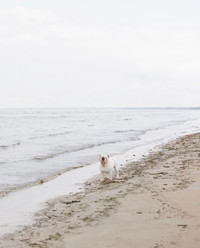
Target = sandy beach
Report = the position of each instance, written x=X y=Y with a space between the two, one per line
x=155 y=204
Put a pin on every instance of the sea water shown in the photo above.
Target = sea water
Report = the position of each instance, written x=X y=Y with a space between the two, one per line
x=38 y=143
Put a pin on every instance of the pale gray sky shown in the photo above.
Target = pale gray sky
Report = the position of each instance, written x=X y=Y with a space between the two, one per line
x=99 y=53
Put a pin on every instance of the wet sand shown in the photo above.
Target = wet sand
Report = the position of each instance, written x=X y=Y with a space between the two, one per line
x=155 y=204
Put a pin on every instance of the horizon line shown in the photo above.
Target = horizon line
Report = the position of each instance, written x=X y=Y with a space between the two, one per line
x=192 y=107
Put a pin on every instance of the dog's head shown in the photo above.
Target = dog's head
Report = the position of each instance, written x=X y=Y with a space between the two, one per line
x=103 y=159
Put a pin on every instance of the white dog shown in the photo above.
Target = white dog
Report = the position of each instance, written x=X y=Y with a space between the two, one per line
x=107 y=165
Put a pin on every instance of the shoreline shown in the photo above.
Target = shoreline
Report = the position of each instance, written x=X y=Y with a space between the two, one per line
x=165 y=134
x=37 y=182
x=153 y=181
x=18 y=208
x=13 y=219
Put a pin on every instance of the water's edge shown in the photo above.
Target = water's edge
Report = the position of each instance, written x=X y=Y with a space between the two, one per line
x=18 y=208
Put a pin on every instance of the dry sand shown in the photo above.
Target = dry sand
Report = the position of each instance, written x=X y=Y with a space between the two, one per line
x=156 y=204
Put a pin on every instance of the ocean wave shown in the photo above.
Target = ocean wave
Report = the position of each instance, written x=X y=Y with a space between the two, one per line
x=173 y=123
x=50 y=135
x=127 y=119
x=126 y=131
x=77 y=149
x=3 y=147
x=58 y=134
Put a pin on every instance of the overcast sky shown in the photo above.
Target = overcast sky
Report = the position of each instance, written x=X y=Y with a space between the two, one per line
x=99 y=53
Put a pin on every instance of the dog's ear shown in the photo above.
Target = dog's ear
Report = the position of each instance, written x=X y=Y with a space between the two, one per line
x=108 y=156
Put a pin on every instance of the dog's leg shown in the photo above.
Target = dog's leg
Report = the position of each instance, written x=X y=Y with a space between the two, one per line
x=110 y=176
x=116 y=171
x=102 y=177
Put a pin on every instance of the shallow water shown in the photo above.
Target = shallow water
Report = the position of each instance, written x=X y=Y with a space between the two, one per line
x=150 y=128
x=37 y=143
